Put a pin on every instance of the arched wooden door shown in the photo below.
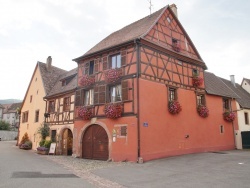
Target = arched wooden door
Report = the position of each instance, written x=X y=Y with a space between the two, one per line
x=67 y=142
x=95 y=143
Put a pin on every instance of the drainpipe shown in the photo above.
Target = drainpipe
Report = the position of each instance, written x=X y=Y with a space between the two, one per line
x=138 y=109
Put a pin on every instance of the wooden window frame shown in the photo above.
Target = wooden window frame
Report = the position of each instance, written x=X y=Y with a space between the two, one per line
x=246 y=117
x=36 y=116
x=91 y=67
x=195 y=72
x=25 y=117
x=114 y=64
x=200 y=99
x=66 y=104
x=226 y=102
x=111 y=91
x=172 y=94
x=88 y=101
x=51 y=106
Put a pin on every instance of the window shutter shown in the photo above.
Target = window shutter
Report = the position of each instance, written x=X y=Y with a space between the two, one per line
x=125 y=90
x=96 y=66
x=123 y=58
x=105 y=63
x=86 y=67
x=79 y=98
x=102 y=94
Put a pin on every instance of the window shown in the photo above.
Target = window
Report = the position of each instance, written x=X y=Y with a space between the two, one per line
x=25 y=117
x=89 y=97
x=175 y=45
x=172 y=94
x=91 y=67
x=221 y=129
x=51 y=107
x=115 y=61
x=66 y=104
x=226 y=104
x=195 y=72
x=53 y=135
x=200 y=99
x=64 y=83
x=115 y=93
x=246 y=118
x=37 y=116
x=30 y=98
x=123 y=131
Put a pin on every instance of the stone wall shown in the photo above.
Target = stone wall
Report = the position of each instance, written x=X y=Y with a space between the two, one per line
x=8 y=135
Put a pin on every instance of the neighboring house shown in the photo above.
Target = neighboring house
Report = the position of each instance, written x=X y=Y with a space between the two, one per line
x=246 y=84
x=1 y=111
x=130 y=88
x=10 y=114
x=33 y=107
x=60 y=111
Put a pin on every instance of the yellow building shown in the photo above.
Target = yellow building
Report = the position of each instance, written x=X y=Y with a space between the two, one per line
x=33 y=108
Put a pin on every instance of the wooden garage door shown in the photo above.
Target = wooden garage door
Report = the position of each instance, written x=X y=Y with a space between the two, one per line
x=95 y=143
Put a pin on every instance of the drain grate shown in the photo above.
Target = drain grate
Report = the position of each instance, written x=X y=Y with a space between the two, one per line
x=40 y=175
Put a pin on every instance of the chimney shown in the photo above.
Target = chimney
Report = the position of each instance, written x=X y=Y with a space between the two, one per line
x=48 y=63
x=232 y=80
x=174 y=9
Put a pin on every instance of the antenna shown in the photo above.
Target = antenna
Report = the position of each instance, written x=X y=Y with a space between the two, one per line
x=150 y=6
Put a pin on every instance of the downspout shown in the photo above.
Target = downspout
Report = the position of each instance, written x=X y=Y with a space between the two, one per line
x=138 y=107
x=45 y=110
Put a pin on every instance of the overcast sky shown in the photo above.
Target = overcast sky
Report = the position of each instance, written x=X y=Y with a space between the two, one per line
x=32 y=30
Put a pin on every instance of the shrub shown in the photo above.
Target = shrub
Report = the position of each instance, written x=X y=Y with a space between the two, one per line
x=25 y=138
x=47 y=143
x=44 y=131
x=41 y=143
x=4 y=125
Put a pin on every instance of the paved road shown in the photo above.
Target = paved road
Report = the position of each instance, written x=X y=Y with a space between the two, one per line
x=19 y=168
x=26 y=169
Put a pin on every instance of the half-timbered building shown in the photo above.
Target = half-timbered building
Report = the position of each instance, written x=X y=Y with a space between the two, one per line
x=138 y=94
x=60 y=112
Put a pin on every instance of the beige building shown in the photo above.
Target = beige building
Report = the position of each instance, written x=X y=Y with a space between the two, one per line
x=33 y=108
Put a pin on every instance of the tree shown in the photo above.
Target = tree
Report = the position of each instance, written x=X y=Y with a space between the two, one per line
x=4 y=125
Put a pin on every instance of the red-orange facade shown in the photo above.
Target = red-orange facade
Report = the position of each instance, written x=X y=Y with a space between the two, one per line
x=139 y=99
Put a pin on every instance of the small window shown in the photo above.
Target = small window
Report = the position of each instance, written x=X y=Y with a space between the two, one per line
x=115 y=61
x=200 y=99
x=226 y=104
x=66 y=104
x=30 y=98
x=64 y=83
x=246 y=118
x=175 y=45
x=221 y=129
x=91 y=67
x=115 y=93
x=195 y=72
x=123 y=131
x=89 y=97
x=25 y=117
x=37 y=116
x=51 y=107
x=172 y=94
x=53 y=135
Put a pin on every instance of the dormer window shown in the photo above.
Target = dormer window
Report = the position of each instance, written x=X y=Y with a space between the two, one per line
x=176 y=45
x=64 y=83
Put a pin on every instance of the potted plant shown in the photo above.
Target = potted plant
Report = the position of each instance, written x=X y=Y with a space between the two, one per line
x=203 y=111
x=174 y=107
x=87 y=80
x=197 y=81
x=113 y=110
x=43 y=149
x=85 y=113
x=25 y=143
x=229 y=116
x=113 y=75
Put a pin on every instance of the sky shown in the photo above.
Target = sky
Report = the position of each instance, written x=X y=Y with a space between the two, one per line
x=32 y=30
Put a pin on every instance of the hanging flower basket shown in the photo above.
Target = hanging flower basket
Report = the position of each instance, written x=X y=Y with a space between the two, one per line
x=229 y=116
x=203 y=111
x=85 y=113
x=174 y=107
x=87 y=80
x=113 y=110
x=197 y=81
x=113 y=75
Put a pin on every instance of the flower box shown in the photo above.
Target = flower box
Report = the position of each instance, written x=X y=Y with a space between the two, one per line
x=113 y=110
x=86 y=80
x=113 y=75
x=203 y=111
x=42 y=150
x=174 y=107
x=197 y=81
x=229 y=116
x=85 y=113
